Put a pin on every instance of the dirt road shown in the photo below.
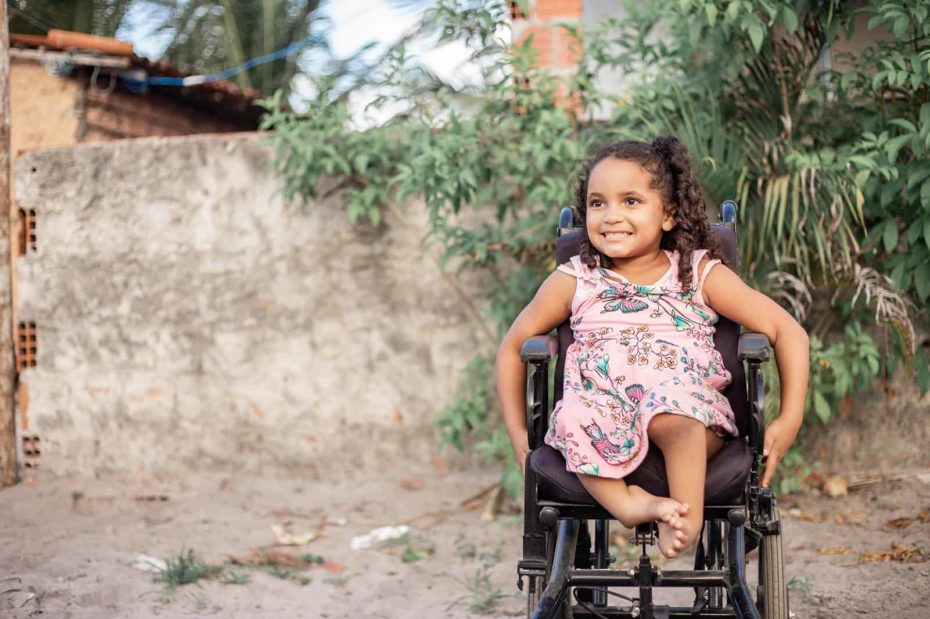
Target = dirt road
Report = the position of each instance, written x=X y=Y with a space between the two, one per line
x=67 y=549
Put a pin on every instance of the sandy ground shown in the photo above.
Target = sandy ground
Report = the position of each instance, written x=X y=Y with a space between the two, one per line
x=67 y=548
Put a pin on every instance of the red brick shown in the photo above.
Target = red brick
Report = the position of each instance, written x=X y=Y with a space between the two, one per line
x=565 y=50
x=546 y=9
x=571 y=103
x=542 y=42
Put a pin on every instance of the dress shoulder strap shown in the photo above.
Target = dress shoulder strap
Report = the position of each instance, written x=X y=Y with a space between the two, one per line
x=699 y=277
x=576 y=268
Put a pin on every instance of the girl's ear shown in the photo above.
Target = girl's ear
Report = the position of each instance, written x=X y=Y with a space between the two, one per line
x=668 y=223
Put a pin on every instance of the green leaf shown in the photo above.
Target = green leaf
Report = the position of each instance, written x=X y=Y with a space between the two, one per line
x=733 y=10
x=922 y=363
x=821 y=408
x=888 y=194
x=890 y=235
x=791 y=20
x=915 y=178
x=904 y=124
x=927 y=231
x=898 y=275
x=914 y=231
x=894 y=146
x=922 y=281
x=756 y=34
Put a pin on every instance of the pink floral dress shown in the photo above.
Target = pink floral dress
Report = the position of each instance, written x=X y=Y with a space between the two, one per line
x=639 y=351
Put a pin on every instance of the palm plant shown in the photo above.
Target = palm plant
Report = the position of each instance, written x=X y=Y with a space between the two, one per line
x=99 y=17
x=213 y=35
x=773 y=136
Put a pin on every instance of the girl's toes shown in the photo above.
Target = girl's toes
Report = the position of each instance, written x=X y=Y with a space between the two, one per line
x=682 y=509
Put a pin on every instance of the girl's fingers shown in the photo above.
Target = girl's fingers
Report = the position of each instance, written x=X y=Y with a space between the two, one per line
x=767 y=447
x=770 y=465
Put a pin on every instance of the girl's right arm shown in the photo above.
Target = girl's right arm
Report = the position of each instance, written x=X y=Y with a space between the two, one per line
x=551 y=306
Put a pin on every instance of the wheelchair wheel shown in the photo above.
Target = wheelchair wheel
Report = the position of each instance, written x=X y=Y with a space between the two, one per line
x=773 y=590
x=537 y=584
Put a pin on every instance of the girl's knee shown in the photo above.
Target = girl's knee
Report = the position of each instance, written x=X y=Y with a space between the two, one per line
x=669 y=427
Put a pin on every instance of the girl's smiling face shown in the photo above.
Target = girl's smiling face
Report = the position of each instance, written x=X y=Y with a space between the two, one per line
x=625 y=216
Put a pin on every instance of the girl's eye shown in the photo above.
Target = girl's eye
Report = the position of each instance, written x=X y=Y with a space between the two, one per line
x=632 y=201
x=596 y=203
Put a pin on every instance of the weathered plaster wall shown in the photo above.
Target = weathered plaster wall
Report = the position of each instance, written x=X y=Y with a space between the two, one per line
x=187 y=316
x=44 y=108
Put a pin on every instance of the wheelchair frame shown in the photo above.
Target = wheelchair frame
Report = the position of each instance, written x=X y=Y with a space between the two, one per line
x=557 y=544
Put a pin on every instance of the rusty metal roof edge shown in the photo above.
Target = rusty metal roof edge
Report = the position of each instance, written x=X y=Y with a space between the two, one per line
x=93 y=56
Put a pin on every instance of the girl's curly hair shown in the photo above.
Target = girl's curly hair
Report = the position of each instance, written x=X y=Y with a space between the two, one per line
x=667 y=159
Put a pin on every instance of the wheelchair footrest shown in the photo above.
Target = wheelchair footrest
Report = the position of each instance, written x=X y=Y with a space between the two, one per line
x=645 y=534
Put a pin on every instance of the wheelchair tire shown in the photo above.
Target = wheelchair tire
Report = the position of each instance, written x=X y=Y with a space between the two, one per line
x=774 y=588
x=534 y=593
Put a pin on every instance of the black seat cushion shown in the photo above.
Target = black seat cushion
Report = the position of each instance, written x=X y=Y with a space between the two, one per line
x=727 y=473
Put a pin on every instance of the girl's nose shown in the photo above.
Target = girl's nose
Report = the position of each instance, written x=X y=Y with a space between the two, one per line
x=613 y=214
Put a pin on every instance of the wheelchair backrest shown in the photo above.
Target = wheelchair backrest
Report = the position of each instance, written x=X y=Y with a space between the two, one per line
x=726 y=336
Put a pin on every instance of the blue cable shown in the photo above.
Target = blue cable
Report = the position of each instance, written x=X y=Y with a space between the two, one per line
x=140 y=85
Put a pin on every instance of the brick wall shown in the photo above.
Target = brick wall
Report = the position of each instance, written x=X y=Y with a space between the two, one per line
x=556 y=48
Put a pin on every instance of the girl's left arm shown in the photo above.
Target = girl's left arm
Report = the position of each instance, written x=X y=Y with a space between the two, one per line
x=728 y=295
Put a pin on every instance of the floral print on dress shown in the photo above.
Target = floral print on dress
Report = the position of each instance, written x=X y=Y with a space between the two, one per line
x=638 y=351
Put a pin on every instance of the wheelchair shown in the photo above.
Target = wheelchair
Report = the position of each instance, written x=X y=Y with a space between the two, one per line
x=739 y=515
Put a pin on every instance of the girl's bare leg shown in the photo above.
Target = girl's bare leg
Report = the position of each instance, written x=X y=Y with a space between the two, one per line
x=632 y=505
x=686 y=445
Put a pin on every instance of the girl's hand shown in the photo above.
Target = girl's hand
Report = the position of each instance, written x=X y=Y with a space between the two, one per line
x=778 y=438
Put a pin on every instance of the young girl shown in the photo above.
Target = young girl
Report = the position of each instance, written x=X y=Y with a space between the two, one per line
x=643 y=295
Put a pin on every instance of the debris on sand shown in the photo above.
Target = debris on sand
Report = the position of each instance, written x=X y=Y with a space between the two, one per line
x=285 y=538
x=146 y=563
x=898 y=552
x=835 y=486
x=379 y=536
x=269 y=557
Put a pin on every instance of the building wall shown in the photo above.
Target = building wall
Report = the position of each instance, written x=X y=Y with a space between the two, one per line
x=44 y=108
x=187 y=316
x=49 y=111
x=119 y=114
x=556 y=49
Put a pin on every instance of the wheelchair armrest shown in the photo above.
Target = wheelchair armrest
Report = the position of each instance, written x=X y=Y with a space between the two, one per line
x=539 y=348
x=753 y=347
x=537 y=352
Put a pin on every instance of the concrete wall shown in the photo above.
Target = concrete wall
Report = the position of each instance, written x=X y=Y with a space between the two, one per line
x=188 y=317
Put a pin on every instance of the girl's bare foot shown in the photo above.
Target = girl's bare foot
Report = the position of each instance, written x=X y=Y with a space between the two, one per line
x=647 y=507
x=680 y=538
x=672 y=539
x=674 y=529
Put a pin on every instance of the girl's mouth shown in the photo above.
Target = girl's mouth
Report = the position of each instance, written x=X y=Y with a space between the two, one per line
x=615 y=236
